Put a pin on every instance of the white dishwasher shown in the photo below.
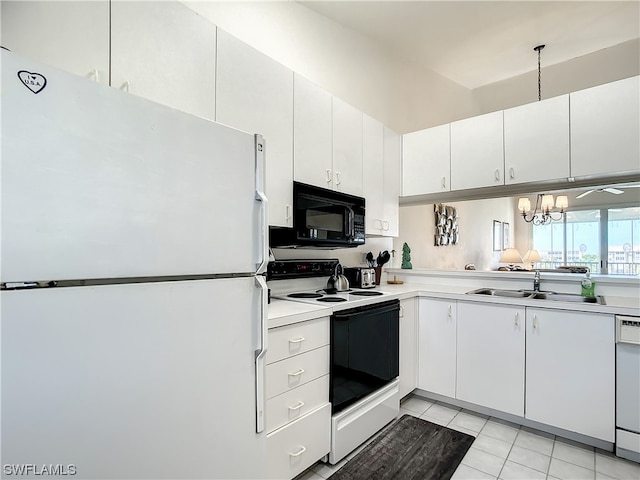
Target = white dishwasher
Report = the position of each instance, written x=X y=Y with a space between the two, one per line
x=628 y=387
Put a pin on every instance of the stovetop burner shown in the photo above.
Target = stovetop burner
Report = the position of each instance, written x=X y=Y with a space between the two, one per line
x=304 y=295
x=366 y=293
x=331 y=299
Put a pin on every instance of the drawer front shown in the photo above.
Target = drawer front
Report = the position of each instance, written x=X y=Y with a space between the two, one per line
x=295 y=371
x=294 y=404
x=295 y=447
x=297 y=338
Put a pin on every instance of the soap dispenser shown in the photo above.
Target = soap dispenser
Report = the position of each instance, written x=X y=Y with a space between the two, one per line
x=588 y=286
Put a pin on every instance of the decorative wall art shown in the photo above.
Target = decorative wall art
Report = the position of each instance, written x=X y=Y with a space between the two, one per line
x=446 y=218
x=497 y=236
x=506 y=237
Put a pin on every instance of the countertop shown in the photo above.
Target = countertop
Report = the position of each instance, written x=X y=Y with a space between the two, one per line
x=284 y=312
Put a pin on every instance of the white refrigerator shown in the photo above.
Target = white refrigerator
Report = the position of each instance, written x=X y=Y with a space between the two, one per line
x=133 y=305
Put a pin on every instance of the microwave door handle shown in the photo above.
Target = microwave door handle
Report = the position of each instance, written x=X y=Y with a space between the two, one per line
x=352 y=228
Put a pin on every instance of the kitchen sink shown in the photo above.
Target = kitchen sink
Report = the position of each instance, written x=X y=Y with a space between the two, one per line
x=541 y=295
x=500 y=293
x=568 y=297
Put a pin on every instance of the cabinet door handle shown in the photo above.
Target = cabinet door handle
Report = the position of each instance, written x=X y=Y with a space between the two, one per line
x=297 y=374
x=329 y=175
x=379 y=222
x=126 y=87
x=298 y=453
x=296 y=340
x=497 y=175
x=535 y=321
x=298 y=406
x=386 y=225
x=401 y=311
x=444 y=182
x=512 y=173
x=450 y=311
x=287 y=212
x=517 y=319
x=338 y=181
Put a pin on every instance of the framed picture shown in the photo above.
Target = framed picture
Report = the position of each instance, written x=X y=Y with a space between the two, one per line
x=497 y=236
x=506 y=236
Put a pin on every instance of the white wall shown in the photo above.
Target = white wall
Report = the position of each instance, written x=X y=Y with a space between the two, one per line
x=603 y=66
x=475 y=223
x=346 y=64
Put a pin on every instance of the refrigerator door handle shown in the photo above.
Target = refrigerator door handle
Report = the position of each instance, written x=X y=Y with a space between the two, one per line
x=264 y=205
x=260 y=355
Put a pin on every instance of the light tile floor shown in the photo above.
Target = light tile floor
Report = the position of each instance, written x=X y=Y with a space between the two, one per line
x=506 y=451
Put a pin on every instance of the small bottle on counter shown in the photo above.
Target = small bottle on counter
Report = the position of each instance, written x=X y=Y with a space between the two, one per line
x=588 y=286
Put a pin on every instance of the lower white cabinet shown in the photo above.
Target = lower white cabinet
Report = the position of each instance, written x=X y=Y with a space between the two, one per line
x=490 y=356
x=295 y=447
x=570 y=371
x=298 y=412
x=408 y=346
x=437 y=346
x=296 y=403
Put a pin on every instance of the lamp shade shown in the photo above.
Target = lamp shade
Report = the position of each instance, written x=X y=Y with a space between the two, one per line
x=532 y=256
x=524 y=204
x=511 y=255
x=547 y=203
x=562 y=202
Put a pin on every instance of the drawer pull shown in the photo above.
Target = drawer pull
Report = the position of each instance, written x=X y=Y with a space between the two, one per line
x=298 y=406
x=297 y=374
x=296 y=340
x=298 y=453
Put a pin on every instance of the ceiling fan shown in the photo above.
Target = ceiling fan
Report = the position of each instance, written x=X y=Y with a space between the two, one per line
x=615 y=191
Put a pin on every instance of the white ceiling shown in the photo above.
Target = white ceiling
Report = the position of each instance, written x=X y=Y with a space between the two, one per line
x=475 y=43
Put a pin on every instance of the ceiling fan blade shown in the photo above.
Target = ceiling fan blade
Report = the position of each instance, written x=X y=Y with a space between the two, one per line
x=615 y=191
x=584 y=194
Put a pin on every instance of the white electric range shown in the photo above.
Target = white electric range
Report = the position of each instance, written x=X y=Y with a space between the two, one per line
x=364 y=345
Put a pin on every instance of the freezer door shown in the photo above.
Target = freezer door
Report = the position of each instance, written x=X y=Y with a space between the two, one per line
x=140 y=381
x=98 y=183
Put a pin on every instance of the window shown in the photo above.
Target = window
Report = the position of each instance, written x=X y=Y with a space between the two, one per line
x=605 y=240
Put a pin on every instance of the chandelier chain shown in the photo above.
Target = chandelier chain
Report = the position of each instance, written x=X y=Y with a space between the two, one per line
x=539 y=49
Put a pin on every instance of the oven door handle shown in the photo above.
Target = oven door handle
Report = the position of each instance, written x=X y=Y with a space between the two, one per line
x=347 y=314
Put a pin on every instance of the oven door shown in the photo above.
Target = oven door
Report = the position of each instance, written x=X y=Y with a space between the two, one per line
x=364 y=351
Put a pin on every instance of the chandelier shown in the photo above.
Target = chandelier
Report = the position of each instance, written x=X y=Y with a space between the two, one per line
x=543 y=213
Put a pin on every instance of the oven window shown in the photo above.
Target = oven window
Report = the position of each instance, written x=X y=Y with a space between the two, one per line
x=364 y=352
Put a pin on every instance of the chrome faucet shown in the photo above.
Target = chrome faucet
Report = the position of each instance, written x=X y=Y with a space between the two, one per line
x=536 y=282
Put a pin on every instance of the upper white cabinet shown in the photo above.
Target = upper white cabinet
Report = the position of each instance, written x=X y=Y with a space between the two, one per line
x=165 y=52
x=373 y=174
x=381 y=148
x=408 y=346
x=392 y=179
x=605 y=129
x=328 y=140
x=255 y=94
x=437 y=346
x=159 y=50
x=477 y=152
x=426 y=161
x=347 y=148
x=312 y=136
x=536 y=141
x=570 y=371
x=490 y=356
x=72 y=36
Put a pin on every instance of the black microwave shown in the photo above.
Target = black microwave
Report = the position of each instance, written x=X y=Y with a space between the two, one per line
x=322 y=218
